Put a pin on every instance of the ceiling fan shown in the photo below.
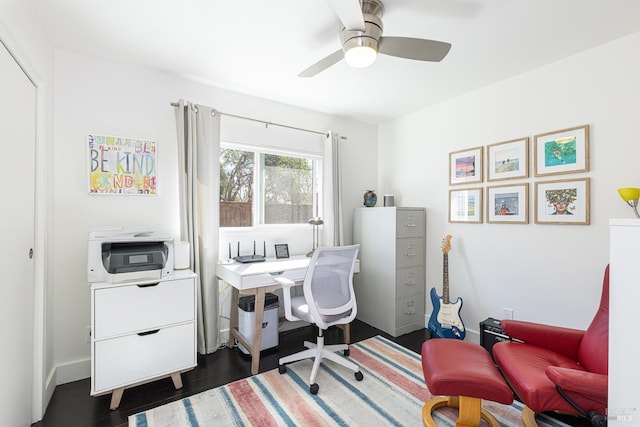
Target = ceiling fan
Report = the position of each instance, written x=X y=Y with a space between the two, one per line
x=362 y=39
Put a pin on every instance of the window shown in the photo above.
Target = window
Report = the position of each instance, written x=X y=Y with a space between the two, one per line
x=259 y=187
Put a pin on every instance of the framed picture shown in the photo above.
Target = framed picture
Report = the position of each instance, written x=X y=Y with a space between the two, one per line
x=465 y=166
x=282 y=250
x=563 y=151
x=122 y=166
x=562 y=202
x=465 y=205
x=508 y=160
x=508 y=204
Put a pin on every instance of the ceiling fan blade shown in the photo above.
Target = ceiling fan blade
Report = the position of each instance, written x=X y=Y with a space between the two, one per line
x=411 y=48
x=323 y=64
x=349 y=13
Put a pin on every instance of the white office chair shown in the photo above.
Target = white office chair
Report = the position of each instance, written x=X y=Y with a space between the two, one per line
x=328 y=300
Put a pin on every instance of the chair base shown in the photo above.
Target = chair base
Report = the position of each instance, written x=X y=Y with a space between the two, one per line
x=469 y=415
x=319 y=351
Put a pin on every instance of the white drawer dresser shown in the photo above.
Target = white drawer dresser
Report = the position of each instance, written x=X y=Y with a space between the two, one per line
x=142 y=331
x=390 y=290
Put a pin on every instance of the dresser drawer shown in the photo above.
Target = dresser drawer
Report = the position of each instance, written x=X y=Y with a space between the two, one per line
x=125 y=309
x=410 y=310
x=409 y=281
x=133 y=358
x=410 y=223
x=409 y=252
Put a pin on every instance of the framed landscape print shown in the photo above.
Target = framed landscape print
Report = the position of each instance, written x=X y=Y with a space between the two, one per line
x=563 y=151
x=508 y=204
x=465 y=205
x=465 y=166
x=562 y=202
x=508 y=160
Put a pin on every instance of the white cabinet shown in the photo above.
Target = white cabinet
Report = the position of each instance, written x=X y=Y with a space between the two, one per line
x=142 y=331
x=390 y=289
x=624 y=294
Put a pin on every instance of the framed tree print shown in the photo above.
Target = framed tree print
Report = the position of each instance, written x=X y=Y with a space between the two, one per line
x=563 y=151
x=508 y=160
x=465 y=166
x=508 y=204
x=465 y=205
x=562 y=202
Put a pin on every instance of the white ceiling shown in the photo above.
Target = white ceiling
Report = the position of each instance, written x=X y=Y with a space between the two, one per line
x=258 y=47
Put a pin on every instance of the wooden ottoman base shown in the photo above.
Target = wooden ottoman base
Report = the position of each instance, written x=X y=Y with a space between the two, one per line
x=470 y=411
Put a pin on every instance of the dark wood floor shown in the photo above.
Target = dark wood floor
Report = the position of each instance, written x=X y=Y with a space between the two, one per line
x=71 y=404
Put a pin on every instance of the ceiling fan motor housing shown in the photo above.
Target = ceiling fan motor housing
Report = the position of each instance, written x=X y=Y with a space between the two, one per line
x=372 y=11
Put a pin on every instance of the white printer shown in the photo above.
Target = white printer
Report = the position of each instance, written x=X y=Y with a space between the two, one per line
x=120 y=255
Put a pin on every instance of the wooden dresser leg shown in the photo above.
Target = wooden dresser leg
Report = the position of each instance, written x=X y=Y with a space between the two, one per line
x=116 y=395
x=177 y=380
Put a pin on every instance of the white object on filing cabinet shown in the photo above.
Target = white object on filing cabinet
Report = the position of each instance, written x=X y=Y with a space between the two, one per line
x=390 y=289
x=142 y=331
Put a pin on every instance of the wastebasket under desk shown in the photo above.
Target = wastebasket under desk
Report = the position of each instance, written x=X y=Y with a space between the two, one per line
x=246 y=321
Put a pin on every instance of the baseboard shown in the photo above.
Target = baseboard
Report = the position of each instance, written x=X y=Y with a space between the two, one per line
x=73 y=371
x=224 y=337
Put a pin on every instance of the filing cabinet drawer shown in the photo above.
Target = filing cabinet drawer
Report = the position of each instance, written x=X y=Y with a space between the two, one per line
x=410 y=223
x=121 y=310
x=409 y=252
x=410 y=310
x=409 y=281
x=138 y=357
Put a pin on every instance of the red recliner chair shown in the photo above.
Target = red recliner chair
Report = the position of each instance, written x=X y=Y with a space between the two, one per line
x=559 y=369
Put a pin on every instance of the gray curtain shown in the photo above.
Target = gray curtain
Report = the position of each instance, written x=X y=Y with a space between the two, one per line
x=332 y=191
x=199 y=173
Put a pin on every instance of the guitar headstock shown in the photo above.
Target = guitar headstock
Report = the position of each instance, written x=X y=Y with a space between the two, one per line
x=446 y=244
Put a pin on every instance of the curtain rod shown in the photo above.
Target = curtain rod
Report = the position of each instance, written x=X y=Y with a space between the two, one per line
x=267 y=124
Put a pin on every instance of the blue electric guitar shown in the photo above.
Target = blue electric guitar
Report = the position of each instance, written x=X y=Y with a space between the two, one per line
x=445 y=321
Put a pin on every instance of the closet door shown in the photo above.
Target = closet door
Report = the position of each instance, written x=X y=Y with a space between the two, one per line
x=17 y=174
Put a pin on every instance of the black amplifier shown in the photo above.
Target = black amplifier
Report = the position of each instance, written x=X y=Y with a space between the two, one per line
x=491 y=333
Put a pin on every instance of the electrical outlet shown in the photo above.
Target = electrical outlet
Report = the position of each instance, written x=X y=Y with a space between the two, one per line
x=88 y=335
x=507 y=313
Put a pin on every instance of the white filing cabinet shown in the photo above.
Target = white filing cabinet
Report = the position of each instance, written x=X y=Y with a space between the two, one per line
x=390 y=289
x=142 y=331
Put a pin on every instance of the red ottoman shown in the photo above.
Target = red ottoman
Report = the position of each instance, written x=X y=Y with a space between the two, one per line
x=465 y=374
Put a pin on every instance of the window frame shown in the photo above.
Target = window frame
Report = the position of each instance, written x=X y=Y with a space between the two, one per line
x=257 y=207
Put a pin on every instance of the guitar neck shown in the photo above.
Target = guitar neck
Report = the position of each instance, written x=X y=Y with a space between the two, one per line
x=445 y=278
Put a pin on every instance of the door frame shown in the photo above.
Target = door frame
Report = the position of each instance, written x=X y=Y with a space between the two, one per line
x=41 y=390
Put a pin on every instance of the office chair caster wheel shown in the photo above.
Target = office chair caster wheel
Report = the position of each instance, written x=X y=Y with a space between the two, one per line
x=282 y=369
x=314 y=388
x=359 y=376
x=346 y=352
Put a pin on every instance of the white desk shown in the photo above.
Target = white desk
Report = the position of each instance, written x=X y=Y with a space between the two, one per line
x=257 y=279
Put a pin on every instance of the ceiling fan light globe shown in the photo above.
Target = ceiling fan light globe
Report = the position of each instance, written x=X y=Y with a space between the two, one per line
x=360 y=56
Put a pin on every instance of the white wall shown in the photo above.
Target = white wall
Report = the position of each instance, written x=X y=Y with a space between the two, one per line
x=547 y=273
x=102 y=97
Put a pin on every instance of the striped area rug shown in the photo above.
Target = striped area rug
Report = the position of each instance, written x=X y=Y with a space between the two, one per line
x=392 y=394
